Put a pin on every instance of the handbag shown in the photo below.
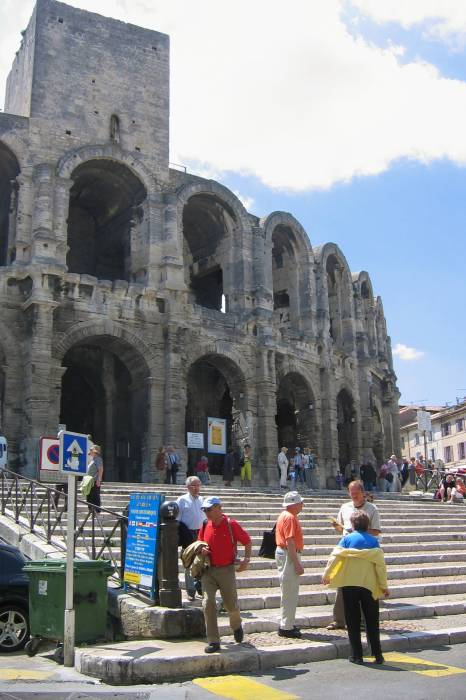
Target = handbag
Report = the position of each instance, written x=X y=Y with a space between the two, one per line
x=268 y=544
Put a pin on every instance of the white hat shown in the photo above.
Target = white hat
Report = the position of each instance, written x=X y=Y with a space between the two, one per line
x=291 y=498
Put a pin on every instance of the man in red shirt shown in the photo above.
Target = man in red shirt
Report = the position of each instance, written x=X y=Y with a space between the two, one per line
x=290 y=544
x=221 y=535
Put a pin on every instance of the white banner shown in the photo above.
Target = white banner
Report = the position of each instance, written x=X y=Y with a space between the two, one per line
x=217 y=436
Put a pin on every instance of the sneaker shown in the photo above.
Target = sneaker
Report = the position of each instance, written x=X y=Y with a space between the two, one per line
x=238 y=635
x=355 y=660
x=191 y=597
x=290 y=634
x=379 y=660
x=335 y=626
x=212 y=647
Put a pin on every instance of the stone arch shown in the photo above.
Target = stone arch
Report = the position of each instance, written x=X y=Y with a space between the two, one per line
x=296 y=416
x=338 y=290
x=110 y=151
x=212 y=223
x=105 y=392
x=365 y=306
x=347 y=427
x=9 y=171
x=108 y=221
x=289 y=265
x=216 y=387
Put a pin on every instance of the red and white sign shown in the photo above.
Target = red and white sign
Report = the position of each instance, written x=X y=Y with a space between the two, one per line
x=49 y=453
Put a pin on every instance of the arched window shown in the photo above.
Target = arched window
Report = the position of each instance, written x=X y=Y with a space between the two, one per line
x=9 y=170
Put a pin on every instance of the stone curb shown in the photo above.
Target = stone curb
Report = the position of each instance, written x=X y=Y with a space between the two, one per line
x=130 y=667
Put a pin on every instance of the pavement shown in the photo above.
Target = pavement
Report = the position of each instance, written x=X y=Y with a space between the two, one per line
x=437 y=673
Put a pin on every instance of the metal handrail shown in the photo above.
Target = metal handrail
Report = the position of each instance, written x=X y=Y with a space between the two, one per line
x=35 y=505
x=432 y=478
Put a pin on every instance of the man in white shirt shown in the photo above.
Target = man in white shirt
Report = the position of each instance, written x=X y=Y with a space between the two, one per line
x=344 y=526
x=392 y=465
x=191 y=515
x=283 y=467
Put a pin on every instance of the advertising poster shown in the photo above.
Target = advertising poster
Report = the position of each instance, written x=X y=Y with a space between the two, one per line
x=217 y=435
x=142 y=539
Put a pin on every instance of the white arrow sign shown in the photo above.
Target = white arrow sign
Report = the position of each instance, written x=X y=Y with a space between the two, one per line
x=73 y=460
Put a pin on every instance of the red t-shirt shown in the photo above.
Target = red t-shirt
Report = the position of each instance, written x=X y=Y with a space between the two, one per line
x=202 y=466
x=218 y=538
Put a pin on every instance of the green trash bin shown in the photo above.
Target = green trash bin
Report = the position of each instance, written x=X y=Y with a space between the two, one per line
x=47 y=598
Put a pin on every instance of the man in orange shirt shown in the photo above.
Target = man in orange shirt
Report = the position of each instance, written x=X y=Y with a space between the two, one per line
x=290 y=543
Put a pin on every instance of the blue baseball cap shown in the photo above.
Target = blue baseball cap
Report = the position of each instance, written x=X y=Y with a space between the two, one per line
x=210 y=501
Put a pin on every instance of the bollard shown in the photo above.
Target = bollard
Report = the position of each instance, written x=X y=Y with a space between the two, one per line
x=169 y=586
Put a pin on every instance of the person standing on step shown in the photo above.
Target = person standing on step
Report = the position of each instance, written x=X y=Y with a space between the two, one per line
x=173 y=465
x=95 y=468
x=290 y=544
x=246 y=467
x=357 y=567
x=282 y=460
x=192 y=516
x=222 y=535
x=229 y=465
x=344 y=526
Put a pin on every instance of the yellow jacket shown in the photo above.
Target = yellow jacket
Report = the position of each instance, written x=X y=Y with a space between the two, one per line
x=358 y=567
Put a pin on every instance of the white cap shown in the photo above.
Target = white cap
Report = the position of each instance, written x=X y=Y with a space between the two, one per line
x=291 y=498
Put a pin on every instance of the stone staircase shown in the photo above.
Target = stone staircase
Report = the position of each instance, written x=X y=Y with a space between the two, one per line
x=424 y=543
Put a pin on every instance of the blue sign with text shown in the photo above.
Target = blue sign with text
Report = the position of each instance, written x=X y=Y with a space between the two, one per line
x=73 y=453
x=142 y=539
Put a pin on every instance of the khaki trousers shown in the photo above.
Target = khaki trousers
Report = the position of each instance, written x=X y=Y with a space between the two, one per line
x=289 y=588
x=220 y=578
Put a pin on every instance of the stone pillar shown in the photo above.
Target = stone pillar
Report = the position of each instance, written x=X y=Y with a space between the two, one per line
x=267 y=442
x=174 y=398
x=171 y=245
x=37 y=374
x=61 y=212
x=43 y=239
x=24 y=215
x=155 y=428
x=56 y=378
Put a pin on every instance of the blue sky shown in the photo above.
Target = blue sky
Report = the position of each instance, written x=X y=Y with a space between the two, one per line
x=350 y=115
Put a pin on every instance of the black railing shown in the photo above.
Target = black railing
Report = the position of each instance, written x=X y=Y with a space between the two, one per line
x=40 y=509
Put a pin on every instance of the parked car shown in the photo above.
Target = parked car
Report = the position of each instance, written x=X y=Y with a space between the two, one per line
x=14 y=599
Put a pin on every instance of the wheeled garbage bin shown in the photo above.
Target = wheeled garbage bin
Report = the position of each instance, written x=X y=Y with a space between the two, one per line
x=47 y=601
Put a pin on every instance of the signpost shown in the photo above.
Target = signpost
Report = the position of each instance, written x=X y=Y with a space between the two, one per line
x=49 y=461
x=424 y=423
x=142 y=540
x=73 y=462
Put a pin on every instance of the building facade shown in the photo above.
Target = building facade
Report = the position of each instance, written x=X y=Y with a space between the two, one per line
x=445 y=444
x=138 y=300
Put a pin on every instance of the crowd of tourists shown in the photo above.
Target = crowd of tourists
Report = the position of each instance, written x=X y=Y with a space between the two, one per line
x=356 y=567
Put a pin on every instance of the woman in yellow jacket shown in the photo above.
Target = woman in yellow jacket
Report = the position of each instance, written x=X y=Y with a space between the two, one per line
x=357 y=566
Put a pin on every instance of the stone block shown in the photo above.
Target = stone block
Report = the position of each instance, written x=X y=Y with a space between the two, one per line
x=457 y=635
x=292 y=654
x=421 y=640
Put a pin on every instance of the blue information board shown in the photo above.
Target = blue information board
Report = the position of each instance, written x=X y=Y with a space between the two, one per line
x=73 y=453
x=142 y=539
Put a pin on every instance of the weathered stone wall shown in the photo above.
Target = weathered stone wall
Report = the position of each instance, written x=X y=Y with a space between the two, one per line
x=199 y=281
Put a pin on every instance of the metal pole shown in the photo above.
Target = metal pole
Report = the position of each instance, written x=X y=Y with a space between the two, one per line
x=68 y=638
x=425 y=457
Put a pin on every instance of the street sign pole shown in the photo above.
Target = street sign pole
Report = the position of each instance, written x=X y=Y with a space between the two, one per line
x=69 y=627
x=73 y=462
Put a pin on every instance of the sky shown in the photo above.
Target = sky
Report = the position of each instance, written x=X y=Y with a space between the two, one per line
x=351 y=115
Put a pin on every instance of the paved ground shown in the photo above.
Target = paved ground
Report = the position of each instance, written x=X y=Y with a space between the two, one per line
x=434 y=674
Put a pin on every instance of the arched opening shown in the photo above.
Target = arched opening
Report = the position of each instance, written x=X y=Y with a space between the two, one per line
x=285 y=277
x=377 y=436
x=295 y=419
x=207 y=227
x=215 y=389
x=367 y=301
x=106 y=221
x=9 y=170
x=2 y=391
x=346 y=425
x=105 y=394
x=334 y=306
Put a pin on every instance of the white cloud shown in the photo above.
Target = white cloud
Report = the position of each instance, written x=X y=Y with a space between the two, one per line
x=286 y=92
x=446 y=18
x=404 y=352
